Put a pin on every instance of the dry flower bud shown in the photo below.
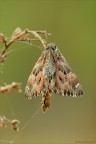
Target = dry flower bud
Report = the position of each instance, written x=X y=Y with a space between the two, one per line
x=17 y=33
x=2 y=38
x=15 y=124
x=2 y=121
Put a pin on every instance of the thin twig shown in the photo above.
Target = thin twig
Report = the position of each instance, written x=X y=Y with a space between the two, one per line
x=22 y=36
x=8 y=88
x=11 y=41
x=38 y=37
x=5 y=122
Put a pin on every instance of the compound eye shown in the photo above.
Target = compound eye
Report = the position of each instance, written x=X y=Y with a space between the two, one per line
x=54 y=47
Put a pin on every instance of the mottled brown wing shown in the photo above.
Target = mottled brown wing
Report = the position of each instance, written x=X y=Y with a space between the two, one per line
x=66 y=82
x=36 y=79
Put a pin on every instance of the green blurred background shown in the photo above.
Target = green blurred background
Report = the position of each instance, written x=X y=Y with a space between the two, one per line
x=73 y=27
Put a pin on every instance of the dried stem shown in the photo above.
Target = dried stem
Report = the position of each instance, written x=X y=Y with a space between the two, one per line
x=8 y=88
x=10 y=42
x=38 y=37
x=5 y=122
x=21 y=36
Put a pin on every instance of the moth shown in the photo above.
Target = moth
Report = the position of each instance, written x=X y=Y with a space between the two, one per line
x=50 y=74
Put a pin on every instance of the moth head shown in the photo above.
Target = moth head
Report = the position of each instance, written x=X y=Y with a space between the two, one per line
x=51 y=47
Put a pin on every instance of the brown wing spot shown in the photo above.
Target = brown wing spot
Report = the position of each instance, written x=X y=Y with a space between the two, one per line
x=34 y=72
x=66 y=69
x=63 y=67
x=39 y=80
x=67 y=89
x=60 y=68
x=38 y=83
x=72 y=78
x=30 y=80
x=35 y=80
x=60 y=78
x=37 y=70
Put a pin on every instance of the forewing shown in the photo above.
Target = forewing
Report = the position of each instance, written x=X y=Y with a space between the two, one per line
x=66 y=82
x=36 y=79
